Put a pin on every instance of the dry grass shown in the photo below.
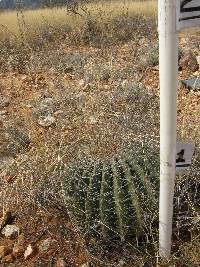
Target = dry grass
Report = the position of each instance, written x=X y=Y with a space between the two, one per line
x=30 y=24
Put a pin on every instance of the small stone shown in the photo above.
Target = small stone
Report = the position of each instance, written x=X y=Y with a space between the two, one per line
x=28 y=106
x=4 y=101
x=85 y=265
x=58 y=112
x=23 y=77
x=61 y=263
x=4 y=251
x=11 y=231
x=92 y=120
x=45 y=245
x=29 y=252
x=46 y=121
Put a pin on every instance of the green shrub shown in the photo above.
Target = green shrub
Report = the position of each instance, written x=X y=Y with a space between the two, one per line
x=153 y=55
x=116 y=197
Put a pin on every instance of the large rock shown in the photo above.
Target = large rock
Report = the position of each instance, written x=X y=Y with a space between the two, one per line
x=192 y=84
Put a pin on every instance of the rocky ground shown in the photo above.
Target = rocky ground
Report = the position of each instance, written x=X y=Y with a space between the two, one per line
x=56 y=102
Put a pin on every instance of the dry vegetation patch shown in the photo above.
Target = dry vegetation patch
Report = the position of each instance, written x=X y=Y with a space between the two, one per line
x=93 y=22
x=102 y=99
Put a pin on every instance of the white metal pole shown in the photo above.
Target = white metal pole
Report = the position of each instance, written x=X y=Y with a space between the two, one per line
x=168 y=62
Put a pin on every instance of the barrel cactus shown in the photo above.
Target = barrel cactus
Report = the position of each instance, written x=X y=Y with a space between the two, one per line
x=115 y=197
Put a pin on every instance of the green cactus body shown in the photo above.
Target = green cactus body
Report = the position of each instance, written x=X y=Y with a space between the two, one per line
x=93 y=193
x=126 y=211
x=79 y=196
x=107 y=205
x=76 y=189
x=133 y=195
x=152 y=169
x=145 y=187
x=117 y=197
x=73 y=197
x=150 y=164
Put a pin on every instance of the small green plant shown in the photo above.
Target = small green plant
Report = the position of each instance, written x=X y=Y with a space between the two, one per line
x=116 y=196
x=153 y=55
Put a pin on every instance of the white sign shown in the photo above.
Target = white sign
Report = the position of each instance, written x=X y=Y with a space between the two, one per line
x=188 y=13
x=184 y=153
